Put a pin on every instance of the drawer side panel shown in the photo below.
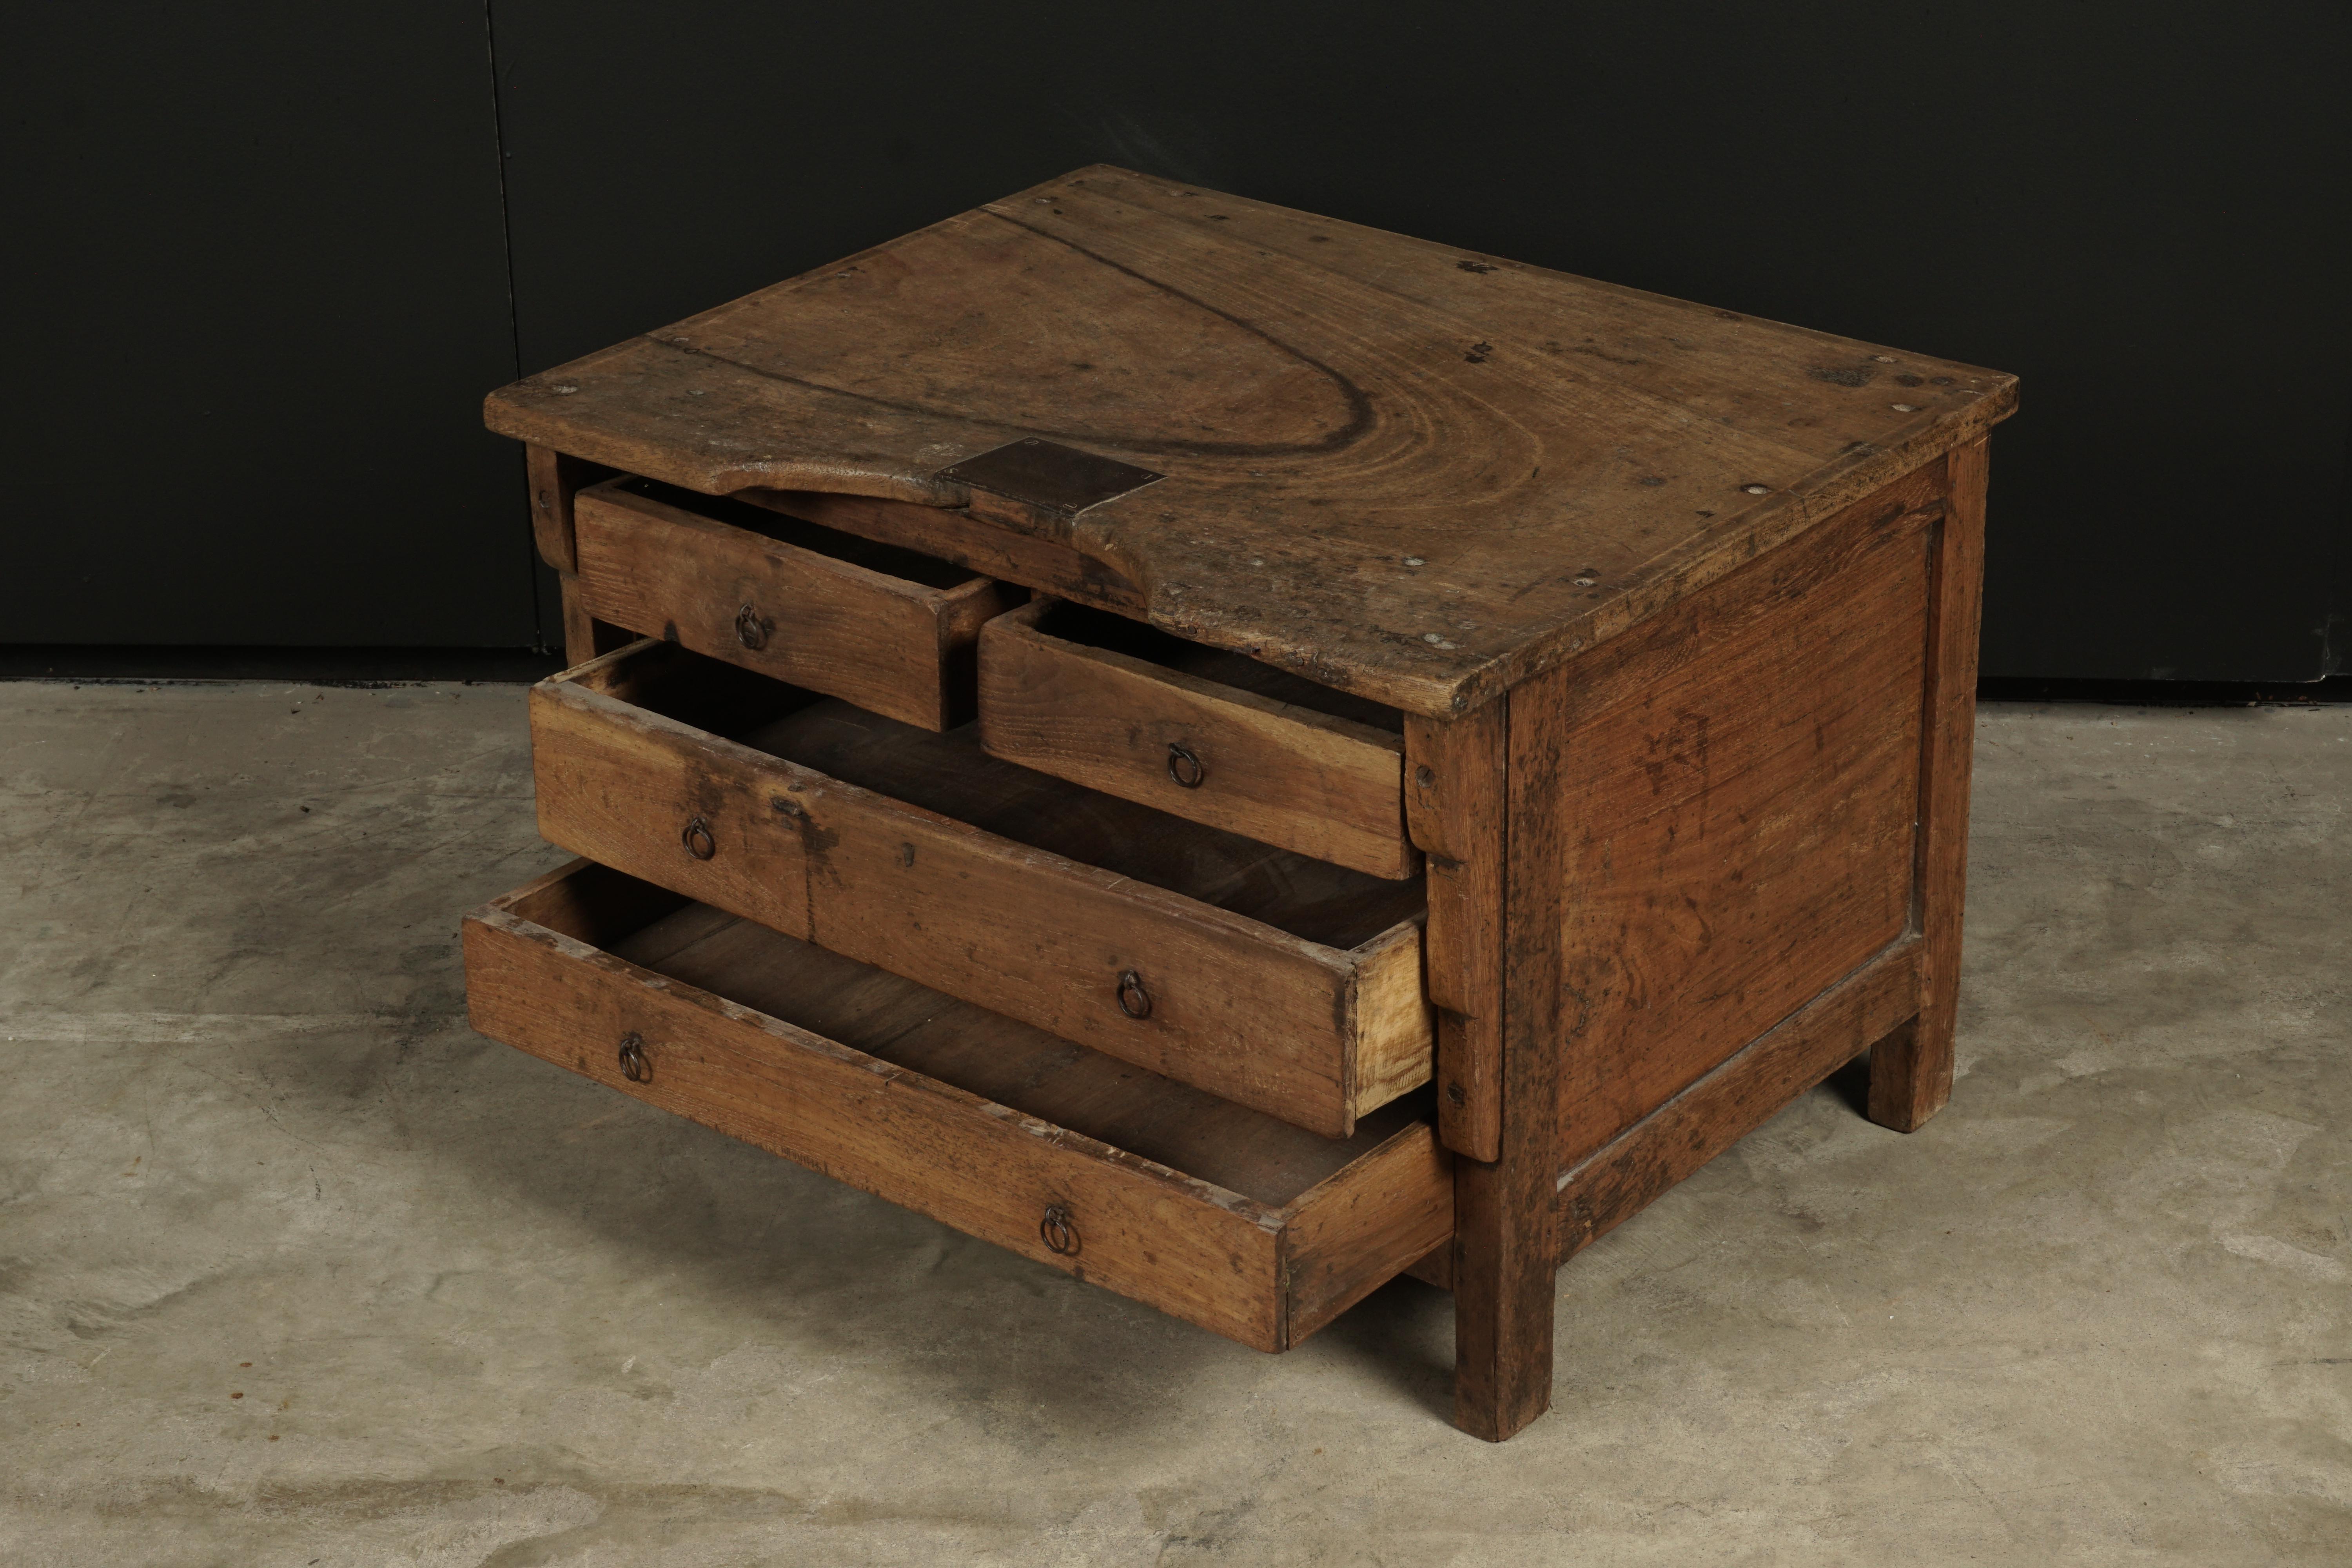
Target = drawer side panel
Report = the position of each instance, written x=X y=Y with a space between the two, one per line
x=1364 y=1226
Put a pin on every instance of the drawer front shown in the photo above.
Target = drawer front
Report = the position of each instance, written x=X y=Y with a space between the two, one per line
x=889 y=645
x=1263 y=1275
x=1280 y=775
x=1309 y=1033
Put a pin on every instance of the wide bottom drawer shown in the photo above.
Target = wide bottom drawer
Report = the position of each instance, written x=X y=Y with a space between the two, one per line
x=1220 y=1214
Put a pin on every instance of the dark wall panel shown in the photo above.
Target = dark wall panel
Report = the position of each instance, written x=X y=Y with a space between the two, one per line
x=267 y=289
x=269 y=276
x=2137 y=207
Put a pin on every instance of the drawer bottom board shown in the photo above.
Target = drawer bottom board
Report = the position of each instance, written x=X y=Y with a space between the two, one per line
x=1224 y=1215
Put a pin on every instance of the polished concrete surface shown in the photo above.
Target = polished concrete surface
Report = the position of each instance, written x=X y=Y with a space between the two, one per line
x=295 y=1268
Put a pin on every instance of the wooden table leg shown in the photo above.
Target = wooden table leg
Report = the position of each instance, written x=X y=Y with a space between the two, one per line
x=1911 y=1069
x=1505 y=1210
x=1504 y=1270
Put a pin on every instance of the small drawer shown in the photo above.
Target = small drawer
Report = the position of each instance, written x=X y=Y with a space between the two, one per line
x=1285 y=984
x=1215 y=1213
x=883 y=628
x=1216 y=737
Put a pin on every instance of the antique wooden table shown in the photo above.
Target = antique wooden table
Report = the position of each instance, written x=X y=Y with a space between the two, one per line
x=1239 y=755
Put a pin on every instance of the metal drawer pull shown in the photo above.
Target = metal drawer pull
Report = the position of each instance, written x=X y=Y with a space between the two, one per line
x=1184 y=768
x=749 y=629
x=1133 y=999
x=1059 y=1233
x=698 y=840
x=636 y=1066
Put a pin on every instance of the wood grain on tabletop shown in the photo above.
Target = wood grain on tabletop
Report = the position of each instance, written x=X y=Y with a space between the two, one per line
x=1408 y=471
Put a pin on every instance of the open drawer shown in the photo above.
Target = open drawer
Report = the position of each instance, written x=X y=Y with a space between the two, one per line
x=1217 y=737
x=1216 y=1214
x=1288 y=984
x=886 y=629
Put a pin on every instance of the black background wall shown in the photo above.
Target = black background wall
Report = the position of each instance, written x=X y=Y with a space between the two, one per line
x=270 y=263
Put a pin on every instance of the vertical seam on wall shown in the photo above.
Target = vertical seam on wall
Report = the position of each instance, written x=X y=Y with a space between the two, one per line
x=2335 y=613
x=539 y=609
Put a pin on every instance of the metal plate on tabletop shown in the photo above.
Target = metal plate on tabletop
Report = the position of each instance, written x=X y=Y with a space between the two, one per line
x=1048 y=476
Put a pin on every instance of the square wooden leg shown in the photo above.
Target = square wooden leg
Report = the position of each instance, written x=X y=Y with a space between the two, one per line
x=1505 y=1268
x=1911 y=1070
x=1507 y=1210
x=1906 y=1075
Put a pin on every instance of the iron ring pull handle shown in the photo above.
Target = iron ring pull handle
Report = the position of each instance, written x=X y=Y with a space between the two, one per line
x=697 y=839
x=750 y=628
x=636 y=1065
x=1059 y=1231
x=1133 y=999
x=1184 y=765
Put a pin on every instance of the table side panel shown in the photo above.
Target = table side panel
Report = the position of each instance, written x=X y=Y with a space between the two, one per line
x=1670 y=1144
x=1742 y=825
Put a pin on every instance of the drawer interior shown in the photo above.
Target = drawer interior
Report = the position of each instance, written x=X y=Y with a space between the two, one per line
x=1091 y=628
x=890 y=559
x=950 y=774
x=1226 y=1217
x=1001 y=1059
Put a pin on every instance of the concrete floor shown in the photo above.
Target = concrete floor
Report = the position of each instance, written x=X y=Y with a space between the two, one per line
x=297 y=1269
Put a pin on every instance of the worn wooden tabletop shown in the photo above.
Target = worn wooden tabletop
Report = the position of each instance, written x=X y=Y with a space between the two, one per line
x=1407 y=470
